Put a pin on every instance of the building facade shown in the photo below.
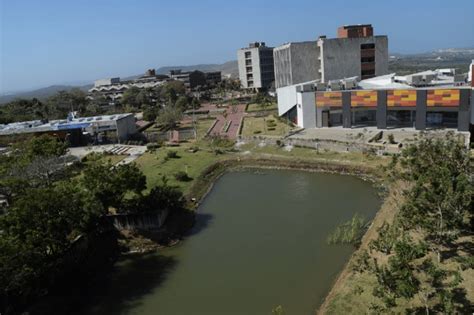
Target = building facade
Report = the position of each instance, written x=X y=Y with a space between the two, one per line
x=419 y=108
x=112 y=89
x=119 y=127
x=296 y=63
x=356 y=52
x=256 y=68
x=193 y=79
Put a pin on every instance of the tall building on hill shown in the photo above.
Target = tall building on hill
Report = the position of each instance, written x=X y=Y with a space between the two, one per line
x=256 y=70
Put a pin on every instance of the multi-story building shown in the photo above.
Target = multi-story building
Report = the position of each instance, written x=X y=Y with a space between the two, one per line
x=193 y=79
x=356 y=52
x=256 y=69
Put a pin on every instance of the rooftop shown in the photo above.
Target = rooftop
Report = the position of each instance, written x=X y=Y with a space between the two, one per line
x=60 y=124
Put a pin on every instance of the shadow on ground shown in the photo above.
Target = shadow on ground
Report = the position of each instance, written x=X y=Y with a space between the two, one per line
x=137 y=276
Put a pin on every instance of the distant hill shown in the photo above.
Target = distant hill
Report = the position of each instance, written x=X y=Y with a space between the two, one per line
x=42 y=93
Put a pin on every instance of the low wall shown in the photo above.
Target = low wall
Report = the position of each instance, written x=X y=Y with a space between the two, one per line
x=318 y=144
x=139 y=221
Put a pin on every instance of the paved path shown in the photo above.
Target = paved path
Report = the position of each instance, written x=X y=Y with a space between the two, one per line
x=133 y=151
x=232 y=119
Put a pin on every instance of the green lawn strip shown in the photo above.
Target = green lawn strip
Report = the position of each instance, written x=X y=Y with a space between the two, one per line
x=258 y=108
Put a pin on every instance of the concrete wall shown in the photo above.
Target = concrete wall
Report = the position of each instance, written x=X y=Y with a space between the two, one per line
x=282 y=60
x=306 y=113
x=341 y=57
x=286 y=97
x=126 y=127
x=139 y=221
x=296 y=63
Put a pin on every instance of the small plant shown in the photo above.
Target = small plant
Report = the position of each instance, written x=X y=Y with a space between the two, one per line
x=172 y=154
x=271 y=128
x=350 y=232
x=194 y=149
x=182 y=176
x=256 y=132
x=391 y=139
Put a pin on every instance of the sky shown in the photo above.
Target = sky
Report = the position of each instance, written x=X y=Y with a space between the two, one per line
x=46 y=42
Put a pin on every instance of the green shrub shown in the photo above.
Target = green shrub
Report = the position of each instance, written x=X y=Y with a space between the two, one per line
x=391 y=139
x=271 y=128
x=182 y=176
x=172 y=154
x=257 y=132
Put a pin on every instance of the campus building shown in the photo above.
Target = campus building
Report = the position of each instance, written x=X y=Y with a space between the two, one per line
x=77 y=130
x=256 y=69
x=193 y=79
x=380 y=102
x=356 y=52
x=112 y=89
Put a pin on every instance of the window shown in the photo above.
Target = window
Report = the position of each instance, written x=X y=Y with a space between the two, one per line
x=367 y=59
x=367 y=46
x=248 y=54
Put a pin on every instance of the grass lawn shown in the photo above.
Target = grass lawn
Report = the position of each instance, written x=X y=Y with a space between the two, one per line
x=355 y=158
x=155 y=165
x=259 y=126
x=258 y=108
x=202 y=126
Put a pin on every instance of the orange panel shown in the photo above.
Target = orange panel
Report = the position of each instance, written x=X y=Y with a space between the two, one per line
x=364 y=99
x=401 y=98
x=443 y=98
x=331 y=99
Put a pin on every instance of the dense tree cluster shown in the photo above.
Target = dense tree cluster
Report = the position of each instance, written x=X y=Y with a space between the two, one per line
x=42 y=218
x=151 y=101
x=436 y=212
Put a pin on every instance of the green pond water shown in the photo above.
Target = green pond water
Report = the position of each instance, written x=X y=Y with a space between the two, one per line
x=259 y=242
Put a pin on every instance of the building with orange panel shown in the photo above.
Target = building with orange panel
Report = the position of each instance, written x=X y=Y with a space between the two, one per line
x=401 y=98
x=443 y=98
x=330 y=99
x=364 y=99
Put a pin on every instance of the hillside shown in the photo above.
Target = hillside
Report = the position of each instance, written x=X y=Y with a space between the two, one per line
x=42 y=93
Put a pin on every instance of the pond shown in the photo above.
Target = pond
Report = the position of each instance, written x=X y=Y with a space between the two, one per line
x=259 y=242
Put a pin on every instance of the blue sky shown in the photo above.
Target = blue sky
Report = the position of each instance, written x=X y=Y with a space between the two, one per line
x=45 y=42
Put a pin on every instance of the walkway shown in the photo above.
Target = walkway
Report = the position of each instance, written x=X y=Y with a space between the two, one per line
x=228 y=125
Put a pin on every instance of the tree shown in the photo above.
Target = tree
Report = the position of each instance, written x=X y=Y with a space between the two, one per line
x=130 y=97
x=171 y=90
x=42 y=146
x=169 y=116
x=441 y=192
x=111 y=184
x=150 y=113
x=64 y=102
x=182 y=103
x=23 y=110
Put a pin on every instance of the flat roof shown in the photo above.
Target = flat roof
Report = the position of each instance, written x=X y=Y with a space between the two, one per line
x=60 y=124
